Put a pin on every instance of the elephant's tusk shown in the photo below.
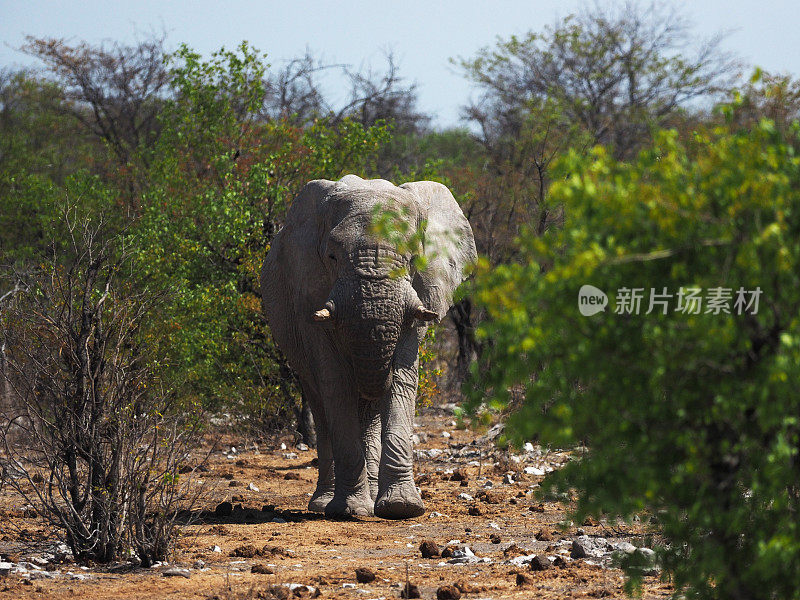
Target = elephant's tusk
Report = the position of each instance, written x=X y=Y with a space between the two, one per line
x=322 y=315
x=423 y=314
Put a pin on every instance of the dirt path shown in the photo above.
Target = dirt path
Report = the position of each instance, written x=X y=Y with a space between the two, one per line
x=269 y=528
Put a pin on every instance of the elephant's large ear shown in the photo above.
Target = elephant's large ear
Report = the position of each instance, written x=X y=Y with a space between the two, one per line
x=448 y=245
x=294 y=281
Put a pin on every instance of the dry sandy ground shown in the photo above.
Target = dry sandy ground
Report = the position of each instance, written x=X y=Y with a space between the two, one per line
x=307 y=549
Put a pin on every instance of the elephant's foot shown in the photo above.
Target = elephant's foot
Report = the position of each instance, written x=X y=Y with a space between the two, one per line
x=320 y=500
x=352 y=505
x=399 y=501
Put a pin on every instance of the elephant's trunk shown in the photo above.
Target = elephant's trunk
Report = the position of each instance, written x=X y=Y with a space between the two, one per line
x=370 y=308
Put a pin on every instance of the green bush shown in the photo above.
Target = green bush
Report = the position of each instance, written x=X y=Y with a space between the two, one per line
x=691 y=415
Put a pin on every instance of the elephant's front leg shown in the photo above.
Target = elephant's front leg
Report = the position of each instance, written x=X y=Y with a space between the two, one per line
x=351 y=492
x=397 y=494
x=370 y=417
x=323 y=494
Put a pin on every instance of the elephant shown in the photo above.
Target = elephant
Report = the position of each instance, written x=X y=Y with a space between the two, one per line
x=348 y=310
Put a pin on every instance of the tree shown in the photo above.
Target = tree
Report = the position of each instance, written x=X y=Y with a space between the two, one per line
x=221 y=185
x=689 y=410
x=604 y=76
x=93 y=438
x=114 y=91
x=616 y=72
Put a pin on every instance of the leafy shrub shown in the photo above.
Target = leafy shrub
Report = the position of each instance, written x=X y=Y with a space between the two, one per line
x=691 y=415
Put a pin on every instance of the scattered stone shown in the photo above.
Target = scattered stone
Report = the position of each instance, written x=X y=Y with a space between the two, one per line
x=290 y=455
x=466 y=497
x=252 y=487
x=540 y=563
x=216 y=549
x=446 y=435
x=426 y=495
x=291 y=475
x=279 y=592
x=177 y=572
x=448 y=592
x=5 y=567
x=246 y=551
x=429 y=549
x=365 y=575
x=543 y=535
x=302 y=447
x=447 y=552
x=528 y=447
x=495 y=538
x=533 y=471
x=560 y=562
x=475 y=511
x=465 y=587
x=492 y=497
x=590 y=522
x=262 y=570
x=513 y=550
x=410 y=590
x=578 y=550
x=626 y=547
x=523 y=579
x=459 y=475
x=223 y=509
x=508 y=479
x=495 y=431
x=539 y=508
x=349 y=586
x=233 y=483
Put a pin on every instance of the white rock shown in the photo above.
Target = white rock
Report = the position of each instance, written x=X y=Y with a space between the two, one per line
x=528 y=447
x=283 y=446
x=290 y=455
x=494 y=526
x=252 y=487
x=349 y=586
x=446 y=434
x=534 y=471
x=216 y=549
x=465 y=496
x=302 y=447
x=626 y=547
x=5 y=567
x=177 y=572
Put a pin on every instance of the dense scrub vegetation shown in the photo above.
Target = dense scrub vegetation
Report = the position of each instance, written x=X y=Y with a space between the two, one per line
x=593 y=155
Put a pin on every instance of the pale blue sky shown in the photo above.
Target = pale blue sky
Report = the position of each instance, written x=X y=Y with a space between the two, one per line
x=423 y=34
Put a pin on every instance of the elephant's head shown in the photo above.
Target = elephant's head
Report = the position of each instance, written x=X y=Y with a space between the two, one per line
x=371 y=298
x=359 y=289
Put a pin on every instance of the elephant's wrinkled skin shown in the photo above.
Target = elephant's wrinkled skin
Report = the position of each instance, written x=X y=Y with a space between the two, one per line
x=350 y=327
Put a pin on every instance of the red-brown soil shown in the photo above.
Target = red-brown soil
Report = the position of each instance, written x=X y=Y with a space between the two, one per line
x=323 y=553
